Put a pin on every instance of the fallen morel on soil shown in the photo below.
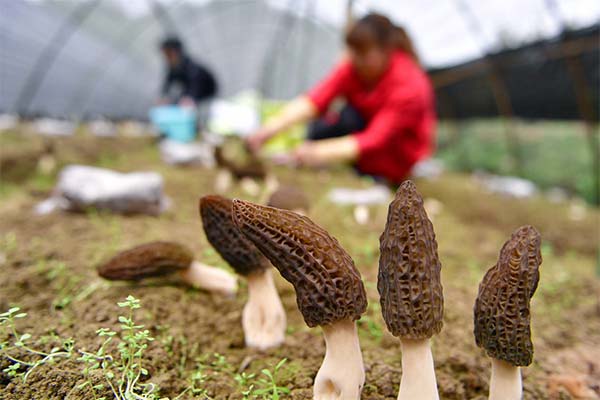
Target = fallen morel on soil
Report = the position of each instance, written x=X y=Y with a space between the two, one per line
x=411 y=292
x=147 y=260
x=163 y=258
x=329 y=290
x=502 y=316
x=263 y=317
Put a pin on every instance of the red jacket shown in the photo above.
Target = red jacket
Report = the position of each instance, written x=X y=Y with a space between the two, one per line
x=399 y=110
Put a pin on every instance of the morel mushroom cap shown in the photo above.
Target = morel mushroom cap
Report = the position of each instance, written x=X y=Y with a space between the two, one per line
x=252 y=168
x=289 y=198
x=502 y=318
x=328 y=285
x=146 y=260
x=226 y=238
x=409 y=269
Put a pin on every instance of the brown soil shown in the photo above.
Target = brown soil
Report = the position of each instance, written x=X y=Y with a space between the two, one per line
x=50 y=273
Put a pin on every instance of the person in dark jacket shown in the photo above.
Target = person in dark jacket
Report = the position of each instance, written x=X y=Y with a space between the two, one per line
x=187 y=82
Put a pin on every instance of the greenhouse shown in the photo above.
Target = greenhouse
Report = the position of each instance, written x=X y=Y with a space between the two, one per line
x=299 y=199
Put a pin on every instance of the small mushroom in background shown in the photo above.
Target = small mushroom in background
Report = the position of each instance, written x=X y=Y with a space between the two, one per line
x=329 y=289
x=289 y=198
x=361 y=214
x=410 y=289
x=164 y=258
x=247 y=174
x=502 y=317
x=263 y=317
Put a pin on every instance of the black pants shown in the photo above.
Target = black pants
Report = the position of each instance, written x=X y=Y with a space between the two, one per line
x=347 y=122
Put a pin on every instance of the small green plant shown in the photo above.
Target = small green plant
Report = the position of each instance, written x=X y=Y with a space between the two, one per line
x=8 y=244
x=17 y=347
x=244 y=383
x=268 y=388
x=196 y=380
x=67 y=286
x=122 y=373
x=368 y=322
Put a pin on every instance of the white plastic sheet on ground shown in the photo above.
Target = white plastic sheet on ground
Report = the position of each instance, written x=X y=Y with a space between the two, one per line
x=8 y=122
x=81 y=187
x=178 y=153
x=507 y=185
x=378 y=194
x=102 y=128
x=428 y=169
x=54 y=127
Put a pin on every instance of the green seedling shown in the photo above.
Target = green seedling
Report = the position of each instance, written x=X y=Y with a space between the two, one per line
x=268 y=388
x=244 y=383
x=196 y=380
x=122 y=373
x=368 y=322
x=19 y=343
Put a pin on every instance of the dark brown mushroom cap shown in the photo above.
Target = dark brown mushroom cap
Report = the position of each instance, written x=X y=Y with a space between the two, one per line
x=289 y=198
x=328 y=285
x=253 y=167
x=226 y=238
x=409 y=284
x=147 y=260
x=502 y=318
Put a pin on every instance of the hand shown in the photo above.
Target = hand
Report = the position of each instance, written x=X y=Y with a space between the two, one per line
x=328 y=151
x=308 y=154
x=258 y=139
x=187 y=102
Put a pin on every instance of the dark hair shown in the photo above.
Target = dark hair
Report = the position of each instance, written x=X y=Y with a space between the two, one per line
x=172 y=43
x=377 y=30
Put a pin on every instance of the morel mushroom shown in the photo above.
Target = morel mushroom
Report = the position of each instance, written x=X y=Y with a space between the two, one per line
x=289 y=198
x=164 y=258
x=329 y=290
x=246 y=174
x=502 y=317
x=410 y=289
x=263 y=317
x=253 y=167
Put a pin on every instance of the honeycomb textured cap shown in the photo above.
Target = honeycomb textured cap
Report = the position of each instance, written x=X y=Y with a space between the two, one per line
x=502 y=317
x=289 y=198
x=147 y=260
x=226 y=238
x=409 y=284
x=328 y=285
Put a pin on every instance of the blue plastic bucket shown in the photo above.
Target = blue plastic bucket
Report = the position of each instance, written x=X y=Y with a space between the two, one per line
x=177 y=123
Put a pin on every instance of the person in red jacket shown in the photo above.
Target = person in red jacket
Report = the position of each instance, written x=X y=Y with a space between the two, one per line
x=388 y=122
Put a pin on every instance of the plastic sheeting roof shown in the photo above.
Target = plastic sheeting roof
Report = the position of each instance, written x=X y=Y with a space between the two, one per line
x=99 y=57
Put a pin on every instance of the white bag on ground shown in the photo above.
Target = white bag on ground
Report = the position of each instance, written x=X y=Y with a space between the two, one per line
x=80 y=187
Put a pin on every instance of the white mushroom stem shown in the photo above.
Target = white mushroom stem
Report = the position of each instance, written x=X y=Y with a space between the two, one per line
x=505 y=383
x=342 y=374
x=263 y=317
x=209 y=278
x=418 y=375
x=223 y=181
